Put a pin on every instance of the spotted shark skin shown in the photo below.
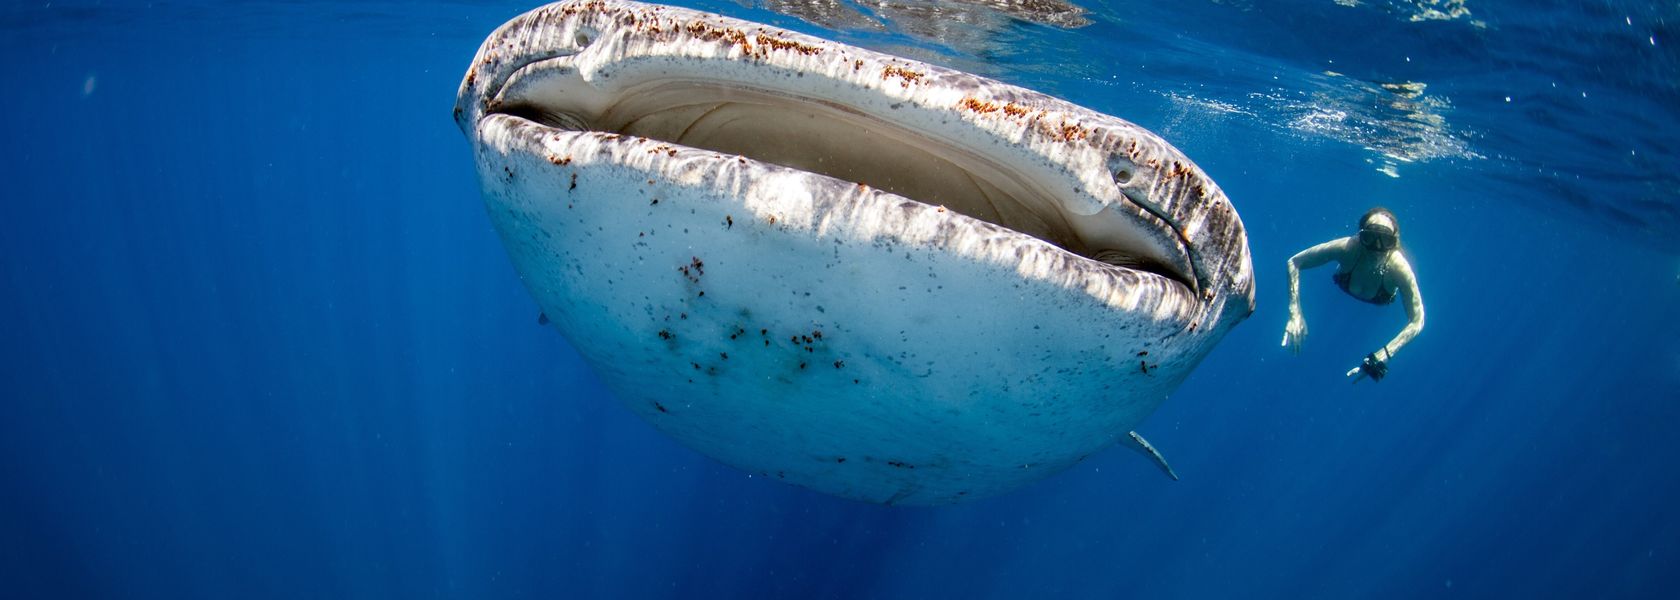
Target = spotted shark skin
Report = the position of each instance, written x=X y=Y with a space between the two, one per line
x=824 y=332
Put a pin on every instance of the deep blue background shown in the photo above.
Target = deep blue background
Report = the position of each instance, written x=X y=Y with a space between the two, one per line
x=258 y=339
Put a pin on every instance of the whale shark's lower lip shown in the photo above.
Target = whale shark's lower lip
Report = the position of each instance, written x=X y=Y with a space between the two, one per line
x=665 y=179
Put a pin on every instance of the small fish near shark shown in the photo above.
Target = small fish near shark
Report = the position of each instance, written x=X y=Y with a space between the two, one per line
x=865 y=275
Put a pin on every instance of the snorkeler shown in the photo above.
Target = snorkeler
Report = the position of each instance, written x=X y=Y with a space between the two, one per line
x=1371 y=268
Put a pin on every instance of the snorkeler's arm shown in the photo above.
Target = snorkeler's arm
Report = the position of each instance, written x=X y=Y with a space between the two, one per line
x=1295 y=331
x=1414 y=307
x=1315 y=256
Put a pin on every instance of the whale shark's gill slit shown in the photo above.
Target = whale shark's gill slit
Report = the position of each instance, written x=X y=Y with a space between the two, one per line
x=822 y=137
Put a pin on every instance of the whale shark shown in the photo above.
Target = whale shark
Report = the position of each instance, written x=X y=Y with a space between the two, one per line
x=861 y=274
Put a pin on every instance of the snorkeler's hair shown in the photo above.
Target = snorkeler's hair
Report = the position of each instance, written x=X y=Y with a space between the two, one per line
x=1380 y=211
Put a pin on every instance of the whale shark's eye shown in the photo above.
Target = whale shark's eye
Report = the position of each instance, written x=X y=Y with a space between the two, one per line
x=584 y=36
x=1123 y=170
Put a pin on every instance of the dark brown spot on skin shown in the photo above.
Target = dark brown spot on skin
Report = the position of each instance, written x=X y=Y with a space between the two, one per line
x=728 y=222
x=906 y=75
x=978 y=106
x=693 y=270
x=574 y=183
x=665 y=334
x=1073 y=132
x=900 y=464
x=986 y=107
x=1143 y=353
x=660 y=407
x=655 y=201
x=801 y=365
x=781 y=44
x=840 y=459
x=710 y=33
x=725 y=355
x=839 y=363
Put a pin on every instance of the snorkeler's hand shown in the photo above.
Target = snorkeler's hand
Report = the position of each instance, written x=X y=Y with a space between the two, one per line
x=1295 y=332
x=1372 y=367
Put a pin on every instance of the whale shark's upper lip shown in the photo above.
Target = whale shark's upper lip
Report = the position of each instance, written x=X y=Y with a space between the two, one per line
x=1092 y=184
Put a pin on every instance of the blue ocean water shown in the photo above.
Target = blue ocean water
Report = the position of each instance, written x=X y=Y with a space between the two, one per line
x=259 y=340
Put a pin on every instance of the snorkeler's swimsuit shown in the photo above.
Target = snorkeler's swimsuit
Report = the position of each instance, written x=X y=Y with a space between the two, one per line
x=1385 y=294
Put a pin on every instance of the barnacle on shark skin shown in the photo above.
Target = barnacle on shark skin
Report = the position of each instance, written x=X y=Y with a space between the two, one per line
x=858 y=273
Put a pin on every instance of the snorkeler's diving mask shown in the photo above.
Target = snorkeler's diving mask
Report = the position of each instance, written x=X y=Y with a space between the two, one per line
x=1377 y=237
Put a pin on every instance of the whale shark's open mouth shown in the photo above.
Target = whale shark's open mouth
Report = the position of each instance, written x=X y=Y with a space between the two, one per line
x=843 y=142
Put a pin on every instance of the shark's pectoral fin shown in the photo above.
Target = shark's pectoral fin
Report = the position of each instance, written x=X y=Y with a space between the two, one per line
x=1142 y=446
